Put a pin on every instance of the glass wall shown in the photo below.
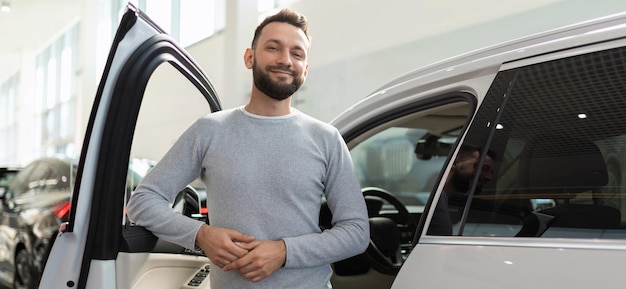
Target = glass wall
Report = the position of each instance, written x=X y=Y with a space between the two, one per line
x=55 y=96
x=187 y=21
x=8 y=119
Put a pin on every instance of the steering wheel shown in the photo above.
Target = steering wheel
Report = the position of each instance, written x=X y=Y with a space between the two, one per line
x=384 y=251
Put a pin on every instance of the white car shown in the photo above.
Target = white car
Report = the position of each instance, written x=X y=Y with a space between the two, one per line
x=551 y=108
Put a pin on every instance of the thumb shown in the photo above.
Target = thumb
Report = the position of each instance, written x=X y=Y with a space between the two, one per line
x=248 y=245
x=240 y=237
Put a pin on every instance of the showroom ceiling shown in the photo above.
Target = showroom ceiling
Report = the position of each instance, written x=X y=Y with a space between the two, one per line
x=29 y=26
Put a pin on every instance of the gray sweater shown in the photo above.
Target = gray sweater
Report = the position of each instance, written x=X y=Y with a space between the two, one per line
x=265 y=177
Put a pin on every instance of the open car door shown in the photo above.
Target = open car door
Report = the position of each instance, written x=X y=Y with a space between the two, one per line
x=98 y=248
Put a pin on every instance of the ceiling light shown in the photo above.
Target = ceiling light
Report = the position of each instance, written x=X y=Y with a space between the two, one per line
x=6 y=7
x=582 y=116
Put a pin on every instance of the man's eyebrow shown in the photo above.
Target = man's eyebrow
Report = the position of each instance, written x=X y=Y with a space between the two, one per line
x=276 y=41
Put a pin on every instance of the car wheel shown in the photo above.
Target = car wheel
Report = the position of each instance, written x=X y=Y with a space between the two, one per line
x=24 y=277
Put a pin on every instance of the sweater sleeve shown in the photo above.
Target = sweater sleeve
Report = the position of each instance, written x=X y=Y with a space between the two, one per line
x=150 y=204
x=349 y=234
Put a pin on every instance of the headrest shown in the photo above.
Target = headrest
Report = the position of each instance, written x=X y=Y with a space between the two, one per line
x=554 y=164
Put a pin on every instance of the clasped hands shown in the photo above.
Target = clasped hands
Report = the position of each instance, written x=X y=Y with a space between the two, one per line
x=233 y=250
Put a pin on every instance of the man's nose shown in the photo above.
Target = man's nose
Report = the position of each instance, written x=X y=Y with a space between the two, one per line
x=285 y=58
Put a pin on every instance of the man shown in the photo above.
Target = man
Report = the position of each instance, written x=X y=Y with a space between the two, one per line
x=266 y=167
x=464 y=169
x=457 y=186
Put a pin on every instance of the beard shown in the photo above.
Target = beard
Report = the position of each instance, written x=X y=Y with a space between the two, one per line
x=462 y=182
x=277 y=91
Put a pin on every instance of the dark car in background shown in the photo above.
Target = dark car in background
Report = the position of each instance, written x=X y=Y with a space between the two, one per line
x=6 y=175
x=36 y=201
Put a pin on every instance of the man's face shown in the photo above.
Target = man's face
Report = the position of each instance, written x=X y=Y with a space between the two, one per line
x=279 y=60
x=466 y=170
x=464 y=173
x=486 y=173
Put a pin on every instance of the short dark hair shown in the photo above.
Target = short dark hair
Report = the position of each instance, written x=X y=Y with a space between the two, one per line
x=466 y=151
x=286 y=16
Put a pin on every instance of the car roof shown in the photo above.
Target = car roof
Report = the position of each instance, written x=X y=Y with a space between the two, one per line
x=488 y=60
x=516 y=49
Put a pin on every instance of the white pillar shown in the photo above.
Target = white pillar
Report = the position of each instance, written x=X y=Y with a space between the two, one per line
x=241 y=20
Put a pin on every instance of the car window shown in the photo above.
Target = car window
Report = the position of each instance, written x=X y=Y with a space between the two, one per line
x=6 y=175
x=406 y=156
x=558 y=139
x=49 y=176
x=45 y=175
x=20 y=181
x=387 y=160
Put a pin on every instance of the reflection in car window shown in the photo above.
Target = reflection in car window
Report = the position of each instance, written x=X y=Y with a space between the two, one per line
x=560 y=138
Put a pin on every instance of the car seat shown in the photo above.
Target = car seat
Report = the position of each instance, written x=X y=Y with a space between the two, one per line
x=562 y=168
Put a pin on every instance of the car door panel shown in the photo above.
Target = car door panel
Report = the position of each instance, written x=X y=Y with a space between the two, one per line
x=155 y=270
x=548 y=163
x=521 y=96
x=97 y=221
x=479 y=265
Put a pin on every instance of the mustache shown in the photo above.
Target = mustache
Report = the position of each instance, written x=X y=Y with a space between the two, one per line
x=281 y=68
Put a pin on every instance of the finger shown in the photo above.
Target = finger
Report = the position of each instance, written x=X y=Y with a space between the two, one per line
x=236 y=252
x=250 y=272
x=240 y=237
x=248 y=246
x=256 y=276
x=217 y=263
x=254 y=272
x=237 y=264
x=230 y=251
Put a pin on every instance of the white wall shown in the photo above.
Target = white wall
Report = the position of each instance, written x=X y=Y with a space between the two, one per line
x=357 y=46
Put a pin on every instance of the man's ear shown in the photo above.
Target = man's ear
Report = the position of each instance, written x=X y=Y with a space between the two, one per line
x=248 y=58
